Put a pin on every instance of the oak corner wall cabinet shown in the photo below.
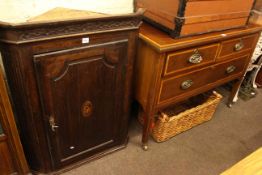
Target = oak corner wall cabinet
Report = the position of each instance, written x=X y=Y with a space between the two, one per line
x=70 y=82
x=169 y=70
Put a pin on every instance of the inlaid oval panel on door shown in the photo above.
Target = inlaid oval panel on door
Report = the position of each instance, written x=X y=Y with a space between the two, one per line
x=81 y=96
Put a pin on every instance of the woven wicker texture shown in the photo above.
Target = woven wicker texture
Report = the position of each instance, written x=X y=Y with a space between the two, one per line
x=168 y=124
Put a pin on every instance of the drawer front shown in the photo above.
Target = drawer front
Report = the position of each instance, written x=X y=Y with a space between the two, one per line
x=179 y=61
x=230 y=68
x=182 y=84
x=235 y=46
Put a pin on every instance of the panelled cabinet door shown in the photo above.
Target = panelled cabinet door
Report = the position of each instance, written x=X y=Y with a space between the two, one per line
x=81 y=95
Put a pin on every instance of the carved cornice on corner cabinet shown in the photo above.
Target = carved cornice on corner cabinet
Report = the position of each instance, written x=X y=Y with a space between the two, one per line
x=80 y=28
x=31 y=32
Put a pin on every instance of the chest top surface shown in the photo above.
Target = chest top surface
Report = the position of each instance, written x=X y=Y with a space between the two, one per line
x=162 y=42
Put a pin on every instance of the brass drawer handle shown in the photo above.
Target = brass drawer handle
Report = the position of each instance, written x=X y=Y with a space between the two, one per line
x=239 y=46
x=196 y=58
x=231 y=69
x=186 y=84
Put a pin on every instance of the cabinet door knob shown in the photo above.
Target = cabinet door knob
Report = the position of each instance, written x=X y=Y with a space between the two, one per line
x=52 y=123
x=186 y=84
x=239 y=46
x=196 y=58
x=231 y=69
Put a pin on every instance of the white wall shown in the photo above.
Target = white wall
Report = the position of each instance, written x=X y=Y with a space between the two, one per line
x=21 y=10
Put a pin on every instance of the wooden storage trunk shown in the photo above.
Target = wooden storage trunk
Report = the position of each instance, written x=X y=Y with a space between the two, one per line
x=190 y=17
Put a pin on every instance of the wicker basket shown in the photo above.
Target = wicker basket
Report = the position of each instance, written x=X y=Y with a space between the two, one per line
x=172 y=121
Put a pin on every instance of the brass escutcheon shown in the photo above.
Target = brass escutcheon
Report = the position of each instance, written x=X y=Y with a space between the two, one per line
x=186 y=84
x=231 y=69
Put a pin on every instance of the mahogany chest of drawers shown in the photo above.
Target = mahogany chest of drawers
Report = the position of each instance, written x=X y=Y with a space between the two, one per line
x=71 y=83
x=190 y=17
x=171 y=70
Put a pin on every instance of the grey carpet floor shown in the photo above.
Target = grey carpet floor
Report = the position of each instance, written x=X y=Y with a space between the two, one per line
x=207 y=149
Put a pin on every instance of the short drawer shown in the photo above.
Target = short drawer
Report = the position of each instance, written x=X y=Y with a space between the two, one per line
x=186 y=59
x=230 y=68
x=182 y=84
x=237 y=45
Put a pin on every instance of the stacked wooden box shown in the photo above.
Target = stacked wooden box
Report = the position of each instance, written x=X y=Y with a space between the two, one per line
x=189 y=17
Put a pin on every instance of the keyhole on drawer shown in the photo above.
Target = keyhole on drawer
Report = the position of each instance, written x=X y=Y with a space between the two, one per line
x=72 y=147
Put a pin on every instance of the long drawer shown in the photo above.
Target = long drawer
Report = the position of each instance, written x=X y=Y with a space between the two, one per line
x=181 y=85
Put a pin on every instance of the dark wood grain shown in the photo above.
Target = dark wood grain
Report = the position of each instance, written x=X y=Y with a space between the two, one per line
x=11 y=152
x=7 y=164
x=40 y=31
x=84 y=87
x=69 y=78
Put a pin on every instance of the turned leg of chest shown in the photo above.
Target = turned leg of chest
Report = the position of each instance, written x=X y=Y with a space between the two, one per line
x=234 y=91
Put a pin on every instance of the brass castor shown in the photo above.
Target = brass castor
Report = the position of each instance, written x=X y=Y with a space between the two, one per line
x=145 y=147
x=229 y=105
